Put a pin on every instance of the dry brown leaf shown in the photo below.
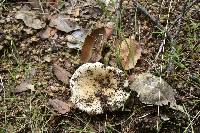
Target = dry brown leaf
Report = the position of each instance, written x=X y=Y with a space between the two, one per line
x=92 y=47
x=61 y=73
x=63 y=23
x=130 y=52
x=60 y=106
x=24 y=86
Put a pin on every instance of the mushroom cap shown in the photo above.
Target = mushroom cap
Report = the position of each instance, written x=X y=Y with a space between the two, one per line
x=97 y=88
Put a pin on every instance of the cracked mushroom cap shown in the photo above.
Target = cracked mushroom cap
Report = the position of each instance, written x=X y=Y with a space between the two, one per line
x=97 y=88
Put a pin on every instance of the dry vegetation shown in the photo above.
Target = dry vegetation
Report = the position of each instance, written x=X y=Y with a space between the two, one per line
x=168 y=33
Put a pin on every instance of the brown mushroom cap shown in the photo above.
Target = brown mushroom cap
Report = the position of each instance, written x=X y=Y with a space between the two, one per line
x=96 y=88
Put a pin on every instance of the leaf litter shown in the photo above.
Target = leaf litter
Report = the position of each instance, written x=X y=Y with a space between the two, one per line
x=61 y=73
x=60 y=106
x=30 y=18
x=75 y=44
x=93 y=45
x=48 y=33
x=27 y=83
x=130 y=52
x=63 y=23
x=24 y=86
x=154 y=90
x=76 y=39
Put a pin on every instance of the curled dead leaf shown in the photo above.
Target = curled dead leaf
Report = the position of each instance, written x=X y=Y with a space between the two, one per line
x=61 y=73
x=130 y=52
x=93 y=45
x=60 y=106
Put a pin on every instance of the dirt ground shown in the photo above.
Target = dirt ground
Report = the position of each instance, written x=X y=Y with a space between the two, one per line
x=26 y=56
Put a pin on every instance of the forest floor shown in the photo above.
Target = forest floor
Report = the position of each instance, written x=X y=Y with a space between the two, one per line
x=27 y=81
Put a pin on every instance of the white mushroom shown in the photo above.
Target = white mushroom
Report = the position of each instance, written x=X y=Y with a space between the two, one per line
x=97 y=88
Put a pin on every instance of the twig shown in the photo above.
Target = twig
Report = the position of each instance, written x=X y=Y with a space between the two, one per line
x=152 y=18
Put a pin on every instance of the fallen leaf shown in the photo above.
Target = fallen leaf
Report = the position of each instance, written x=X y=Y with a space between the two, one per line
x=49 y=32
x=60 y=106
x=130 y=52
x=76 y=39
x=154 y=90
x=24 y=86
x=61 y=73
x=93 y=45
x=29 y=18
x=62 y=23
